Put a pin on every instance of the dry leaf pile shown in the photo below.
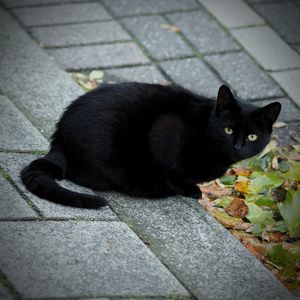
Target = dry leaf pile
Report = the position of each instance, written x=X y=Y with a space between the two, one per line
x=258 y=201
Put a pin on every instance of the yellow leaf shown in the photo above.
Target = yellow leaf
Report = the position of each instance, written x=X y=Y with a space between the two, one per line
x=170 y=27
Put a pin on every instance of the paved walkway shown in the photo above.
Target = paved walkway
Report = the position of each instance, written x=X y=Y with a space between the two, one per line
x=133 y=249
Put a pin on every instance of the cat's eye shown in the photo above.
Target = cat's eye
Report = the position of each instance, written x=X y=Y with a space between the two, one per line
x=228 y=130
x=252 y=137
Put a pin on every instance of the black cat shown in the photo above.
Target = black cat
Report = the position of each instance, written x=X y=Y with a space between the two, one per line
x=147 y=140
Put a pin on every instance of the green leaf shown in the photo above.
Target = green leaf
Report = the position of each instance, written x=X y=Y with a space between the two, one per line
x=265 y=201
x=228 y=180
x=284 y=166
x=260 y=181
x=257 y=229
x=294 y=172
x=96 y=75
x=290 y=212
x=281 y=257
x=224 y=201
x=280 y=227
x=258 y=216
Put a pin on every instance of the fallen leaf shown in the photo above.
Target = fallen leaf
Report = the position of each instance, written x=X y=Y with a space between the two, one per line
x=269 y=148
x=227 y=221
x=237 y=208
x=170 y=27
x=212 y=190
x=262 y=180
x=219 y=183
x=279 y=125
x=290 y=211
x=228 y=179
x=96 y=75
x=273 y=236
x=241 y=186
x=284 y=166
x=241 y=172
x=80 y=76
x=223 y=201
x=256 y=248
x=256 y=215
x=282 y=257
x=275 y=164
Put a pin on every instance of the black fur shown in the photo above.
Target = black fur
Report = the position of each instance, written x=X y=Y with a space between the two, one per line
x=146 y=140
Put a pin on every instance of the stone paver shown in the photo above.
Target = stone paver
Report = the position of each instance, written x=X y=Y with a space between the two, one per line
x=244 y=76
x=76 y=259
x=207 y=259
x=79 y=34
x=193 y=74
x=4 y=293
x=267 y=47
x=289 y=111
x=61 y=14
x=16 y=131
x=155 y=35
x=288 y=135
x=31 y=79
x=99 y=56
x=233 y=13
x=134 y=7
x=13 y=164
x=297 y=48
x=290 y=82
x=12 y=205
x=22 y=3
x=203 y=31
x=139 y=74
x=284 y=17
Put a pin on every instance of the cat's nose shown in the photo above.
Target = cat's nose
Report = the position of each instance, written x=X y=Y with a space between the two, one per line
x=238 y=145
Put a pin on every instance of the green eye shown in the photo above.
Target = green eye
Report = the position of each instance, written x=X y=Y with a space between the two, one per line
x=228 y=130
x=252 y=137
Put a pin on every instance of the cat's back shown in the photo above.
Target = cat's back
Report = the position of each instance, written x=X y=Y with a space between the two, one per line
x=130 y=96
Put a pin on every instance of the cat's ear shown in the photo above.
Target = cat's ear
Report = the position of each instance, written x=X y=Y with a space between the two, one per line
x=225 y=100
x=270 y=112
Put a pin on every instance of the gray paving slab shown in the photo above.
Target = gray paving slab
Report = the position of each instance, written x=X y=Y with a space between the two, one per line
x=155 y=35
x=61 y=14
x=290 y=82
x=99 y=56
x=203 y=31
x=262 y=1
x=267 y=47
x=288 y=135
x=4 y=293
x=193 y=74
x=297 y=48
x=284 y=17
x=16 y=132
x=12 y=205
x=22 y=3
x=13 y=164
x=79 y=34
x=31 y=79
x=137 y=7
x=233 y=13
x=289 y=111
x=244 y=76
x=77 y=259
x=139 y=74
x=201 y=253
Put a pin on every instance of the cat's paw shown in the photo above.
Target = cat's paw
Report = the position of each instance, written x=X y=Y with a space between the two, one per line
x=193 y=192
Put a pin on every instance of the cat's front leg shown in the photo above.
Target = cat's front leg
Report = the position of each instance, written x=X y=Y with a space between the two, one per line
x=185 y=187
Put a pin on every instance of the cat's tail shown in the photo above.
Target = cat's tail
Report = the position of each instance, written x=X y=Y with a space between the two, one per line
x=39 y=178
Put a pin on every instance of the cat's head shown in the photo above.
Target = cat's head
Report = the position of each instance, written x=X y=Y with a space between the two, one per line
x=241 y=129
